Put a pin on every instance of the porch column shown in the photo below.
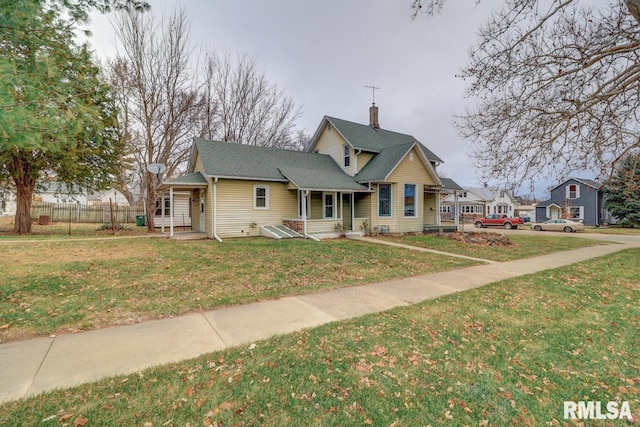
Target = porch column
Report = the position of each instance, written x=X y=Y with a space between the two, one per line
x=303 y=196
x=438 y=220
x=456 y=210
x=170 y=211
x=162 y=210
x=353 y=212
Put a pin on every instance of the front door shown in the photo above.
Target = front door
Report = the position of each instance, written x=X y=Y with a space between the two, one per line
x=347 y=212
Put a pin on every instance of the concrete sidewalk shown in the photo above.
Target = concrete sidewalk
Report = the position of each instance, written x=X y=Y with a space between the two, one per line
x=35 y=366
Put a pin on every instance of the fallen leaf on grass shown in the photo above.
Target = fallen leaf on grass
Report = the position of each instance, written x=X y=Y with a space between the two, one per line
x=5 y=326
x=64 y=417
x=80 y=421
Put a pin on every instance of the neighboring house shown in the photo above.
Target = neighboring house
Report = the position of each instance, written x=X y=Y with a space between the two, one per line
x=577 y=199
x=57 y=192
x=105 y=197
x=352 y=178
x=479 y=202
x=7 y=202
x=526 y=211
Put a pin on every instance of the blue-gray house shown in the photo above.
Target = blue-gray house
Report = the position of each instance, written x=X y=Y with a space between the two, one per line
x=577 y=199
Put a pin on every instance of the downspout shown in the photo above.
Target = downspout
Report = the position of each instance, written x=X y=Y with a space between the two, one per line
x=214 y=211
x=355 y=161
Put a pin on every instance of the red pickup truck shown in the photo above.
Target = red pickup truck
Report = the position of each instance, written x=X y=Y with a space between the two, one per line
x=499 y=220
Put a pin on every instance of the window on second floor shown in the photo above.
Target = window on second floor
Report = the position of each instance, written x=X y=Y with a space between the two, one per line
x=573 y=191
x=347 y=156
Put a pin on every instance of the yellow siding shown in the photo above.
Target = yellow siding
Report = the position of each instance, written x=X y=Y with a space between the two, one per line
x=195 y=210
x=407 y=172
x=331 y=143
x=198 y=166
x=236 y=213
x=208 y=209
x=430 y=209
x=412 y=172
x=363 y=159
x=322 y=226
x=362 y=206
x=315 y=205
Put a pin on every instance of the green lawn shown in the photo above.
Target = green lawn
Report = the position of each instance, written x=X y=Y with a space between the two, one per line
x=526 y=246
x=612 y=230
x=508 y=353
x=59 y=287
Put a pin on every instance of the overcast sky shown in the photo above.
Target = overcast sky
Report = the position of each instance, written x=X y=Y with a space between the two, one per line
x=324 y=53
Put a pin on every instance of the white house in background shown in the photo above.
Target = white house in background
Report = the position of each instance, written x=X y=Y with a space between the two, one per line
x=111 y=195
x=57 y=192
x=477 y=202
x=7 y=202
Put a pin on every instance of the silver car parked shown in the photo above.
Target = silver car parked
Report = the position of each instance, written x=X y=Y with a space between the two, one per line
x=565 y=225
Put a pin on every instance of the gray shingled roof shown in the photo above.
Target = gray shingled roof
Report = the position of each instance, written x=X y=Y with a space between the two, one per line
x=305 y=170
x=320 y=179
x=381 y=165
x=589 y=182
x=450 y=184
x=368 y=138
x=195 y=178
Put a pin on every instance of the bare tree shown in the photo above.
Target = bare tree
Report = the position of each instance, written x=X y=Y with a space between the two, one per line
x=554 y=85
x=243 y=107
x=158 y=97
x=164 y=101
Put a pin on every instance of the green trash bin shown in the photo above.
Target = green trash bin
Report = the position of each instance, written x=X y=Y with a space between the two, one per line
x=140 y=220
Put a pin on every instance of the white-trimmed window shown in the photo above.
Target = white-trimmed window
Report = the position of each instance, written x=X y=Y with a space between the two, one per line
x=346 y=156
x=260 y=197
x=167 y=207
x=576 y=212
x=410 y=203
x=445 y=209
x=573 y=191
x=384 y=200
x=328 y=205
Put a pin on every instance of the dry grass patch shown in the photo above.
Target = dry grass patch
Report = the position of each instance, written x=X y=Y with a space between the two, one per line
x=61 y=287
x=494 y=246
x=505 y=354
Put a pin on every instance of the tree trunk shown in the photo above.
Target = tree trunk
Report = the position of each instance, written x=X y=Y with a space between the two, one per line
x=150 y=203
x=25 y=181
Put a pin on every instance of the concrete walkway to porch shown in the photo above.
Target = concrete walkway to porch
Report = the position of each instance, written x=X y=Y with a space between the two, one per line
x=35 y=366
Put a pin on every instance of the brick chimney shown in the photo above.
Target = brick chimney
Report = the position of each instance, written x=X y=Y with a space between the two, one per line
x=373 y=116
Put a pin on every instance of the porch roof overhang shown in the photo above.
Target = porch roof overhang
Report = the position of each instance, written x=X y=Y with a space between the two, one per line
x=192 y=180
x=320 y=180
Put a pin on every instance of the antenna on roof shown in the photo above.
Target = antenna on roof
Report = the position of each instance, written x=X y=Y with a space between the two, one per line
x=373 y=93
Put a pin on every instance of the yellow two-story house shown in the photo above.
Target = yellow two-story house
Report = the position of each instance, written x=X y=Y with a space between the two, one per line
x=352 y=178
